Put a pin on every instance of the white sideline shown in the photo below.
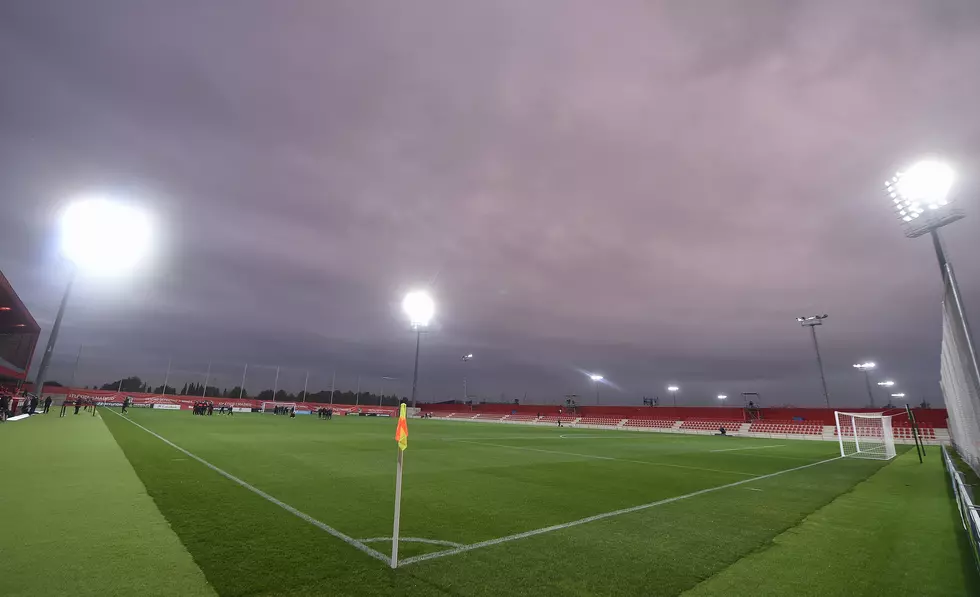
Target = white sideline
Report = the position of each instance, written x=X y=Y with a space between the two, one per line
x=749 y=448
x=345 y=538
x=558 y=527
x=693 y=468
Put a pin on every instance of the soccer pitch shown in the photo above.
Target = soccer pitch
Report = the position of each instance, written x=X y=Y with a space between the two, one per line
x=268 y=505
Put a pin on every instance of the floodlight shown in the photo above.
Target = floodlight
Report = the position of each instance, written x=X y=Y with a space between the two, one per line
x=722 y=396
x=886 y=384
x=864 y=366
x=672 y=388
x=419 y=307
x=899 y=395
x=595 y=377
x=921 y=195
x=105 y=237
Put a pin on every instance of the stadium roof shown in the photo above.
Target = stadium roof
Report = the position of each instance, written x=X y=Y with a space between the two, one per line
x=16 y=322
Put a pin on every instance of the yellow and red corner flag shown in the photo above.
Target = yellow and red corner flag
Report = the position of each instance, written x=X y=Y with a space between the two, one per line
x=401 y=433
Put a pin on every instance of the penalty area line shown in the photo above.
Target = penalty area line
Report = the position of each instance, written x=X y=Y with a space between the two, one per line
x=323 y=526
x=749 y=448
x=581 y=521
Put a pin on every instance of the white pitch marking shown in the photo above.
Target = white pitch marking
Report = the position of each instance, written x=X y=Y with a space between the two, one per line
x=329 y=529
x=753 y=489
x=693 y=468
x=558 y=527
x=750 y=448
x=413 y=540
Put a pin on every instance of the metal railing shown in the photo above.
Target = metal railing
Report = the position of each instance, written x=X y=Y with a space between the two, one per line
x=969 y=512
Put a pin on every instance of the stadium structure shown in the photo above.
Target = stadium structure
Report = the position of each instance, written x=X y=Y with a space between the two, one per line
x=18 y=337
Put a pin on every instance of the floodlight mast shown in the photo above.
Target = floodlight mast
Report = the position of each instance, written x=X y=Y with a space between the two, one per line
x=420 y=308
x=928 y=184
x=596 y=378
x=466 y=358
x=866 y=367
x=812 y=321
x=90 y=228
x=673 y=392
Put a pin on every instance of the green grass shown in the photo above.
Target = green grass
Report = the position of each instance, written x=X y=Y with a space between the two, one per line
x=75 y=519
x=894 y=534
x=468 y=482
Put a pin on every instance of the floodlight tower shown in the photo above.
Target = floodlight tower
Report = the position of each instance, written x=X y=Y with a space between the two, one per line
x=420 y=308
x=466 y=358
x=921 y=198
x=867 y=367
x=596 y=378
x=673 y=392
x=812 y=322
x=100 y=237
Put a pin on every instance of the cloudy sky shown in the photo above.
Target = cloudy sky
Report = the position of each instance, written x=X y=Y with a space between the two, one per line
x=649 y=190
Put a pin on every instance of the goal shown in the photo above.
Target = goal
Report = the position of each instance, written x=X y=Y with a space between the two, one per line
x=268 y=407
x=865 y=435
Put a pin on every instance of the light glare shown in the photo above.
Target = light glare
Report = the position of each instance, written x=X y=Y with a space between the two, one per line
x=722 y=396
x=419 y=307
x=105 y=237
x=886 y=384
x=928 y=181
x=672 y=388
x=595 y=377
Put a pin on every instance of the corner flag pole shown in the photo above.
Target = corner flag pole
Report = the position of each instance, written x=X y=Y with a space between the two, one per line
x=401 y=436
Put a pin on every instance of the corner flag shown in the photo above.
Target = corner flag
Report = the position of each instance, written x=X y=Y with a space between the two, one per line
x=401 y=432
x=401 y=436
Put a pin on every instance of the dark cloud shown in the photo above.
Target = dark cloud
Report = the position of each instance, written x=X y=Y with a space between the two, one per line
x=651 y=190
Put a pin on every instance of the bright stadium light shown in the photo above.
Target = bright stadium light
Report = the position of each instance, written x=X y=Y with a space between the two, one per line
x=595 y=377
x=722 y=396
x=673 y=392
x=864 y=366
x=104 y=237
x=101 y=237
x=420 y=308
x=886 y=384
x=899 y=395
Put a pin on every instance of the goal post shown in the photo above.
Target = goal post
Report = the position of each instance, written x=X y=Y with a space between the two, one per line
x=865 y=435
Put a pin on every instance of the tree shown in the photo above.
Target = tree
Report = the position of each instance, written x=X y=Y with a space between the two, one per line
x=183 y=390
x=235 y=391
x=128 y=384
x=265 y=396
x=161 y=390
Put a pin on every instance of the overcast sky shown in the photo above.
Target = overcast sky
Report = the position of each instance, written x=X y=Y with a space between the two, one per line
x=649 y=190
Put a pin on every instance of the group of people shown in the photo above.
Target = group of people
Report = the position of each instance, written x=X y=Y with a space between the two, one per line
x=28 y=405
x=284 y=410
x=204 y=407
x=79 y=404
x=324 y=413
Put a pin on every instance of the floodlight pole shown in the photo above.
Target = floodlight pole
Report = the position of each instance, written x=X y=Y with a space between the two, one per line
x=241 y=388
x=74 y=371
x=166 y=377
x=333 y=386
x=812 y=322
x=947 y=272
x=53 y=338
x=867 y=382
x=306 y=385
x=415 y=375
x=275 y=387
x=207 y=376
x=596 y=383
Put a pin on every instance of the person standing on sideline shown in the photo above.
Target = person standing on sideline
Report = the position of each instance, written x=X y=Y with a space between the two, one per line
x=4 y=405
x=33 y=405
x=78 y=404
x=47 y=404
x=64 y=406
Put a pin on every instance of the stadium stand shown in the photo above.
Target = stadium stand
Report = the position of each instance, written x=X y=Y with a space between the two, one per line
x=599 y=421
x=556 y=418
x=705 y=425
x=787 y=427
x=655 y=423
x=18 y=336
x=524 y=418
x=490 y=416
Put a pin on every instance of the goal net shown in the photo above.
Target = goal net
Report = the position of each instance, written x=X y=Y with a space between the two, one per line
x=865 y=435
x=284 y=407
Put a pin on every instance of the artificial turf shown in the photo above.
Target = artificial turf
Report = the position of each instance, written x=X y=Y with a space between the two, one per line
x=470 y=482
x=75 y=519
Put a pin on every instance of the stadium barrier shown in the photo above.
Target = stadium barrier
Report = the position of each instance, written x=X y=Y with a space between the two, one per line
x=969 y=511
